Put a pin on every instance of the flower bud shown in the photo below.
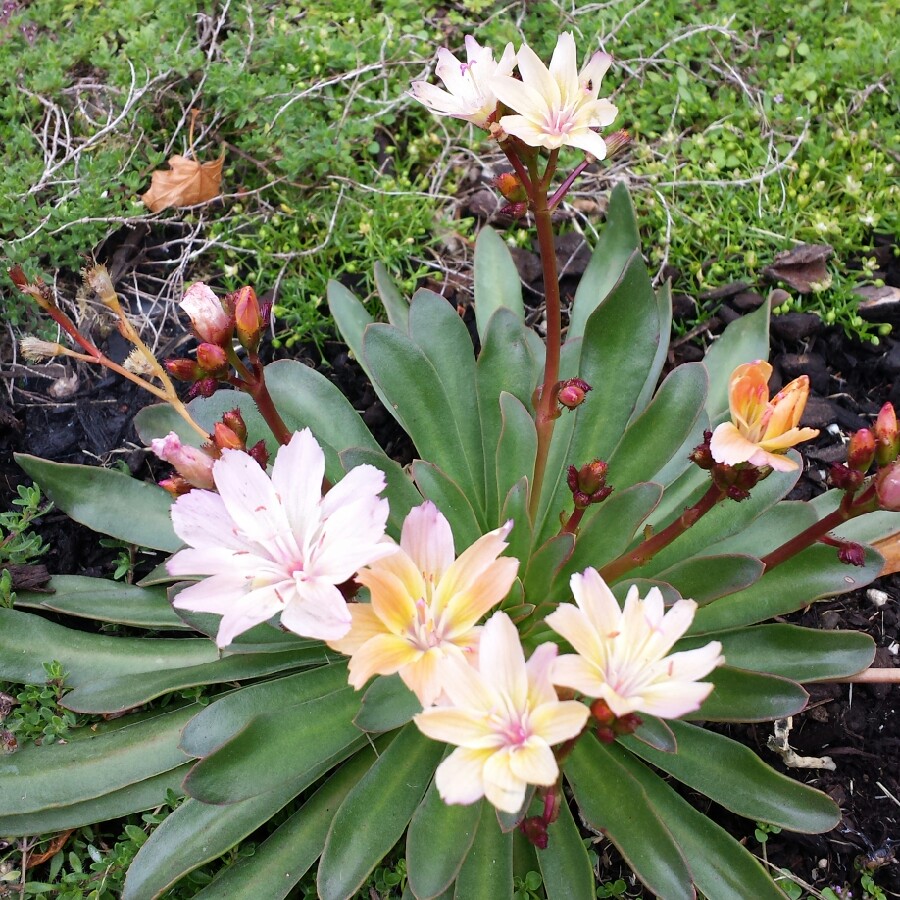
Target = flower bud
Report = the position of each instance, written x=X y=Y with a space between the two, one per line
x=851 y=553
x=259 y=452
x=248 y=320
x=588 y=484
x=616 y=142
x=861 y=450
x=213 y=360
x=887 y=436
x=176 y=485
x=535 y=830
x=602 y=713
x=235 y=421
x=572 y=392
x=514 y=210
x=205 y=387
x=183 y=369
x=844 y=478
x=511 y=187
x=225 y=439
x=210 y=322
x=195 y=466
x=887 y=487
x=97 y=278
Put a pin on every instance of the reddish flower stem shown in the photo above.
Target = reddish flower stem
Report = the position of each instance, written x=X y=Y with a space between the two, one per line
x=646 y=550
x=563 y=189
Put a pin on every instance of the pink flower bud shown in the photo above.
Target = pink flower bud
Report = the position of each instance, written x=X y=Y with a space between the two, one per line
x=861 y=450
x=210 y=322
x=887 y=435
x=572 y=392
x=225 y=439
x=205 y=387
x=192 y=464
x=212 y=359
x=235 y=421
x=851 y=553
x=887 y=487
x=183 y=369
x=248 y=318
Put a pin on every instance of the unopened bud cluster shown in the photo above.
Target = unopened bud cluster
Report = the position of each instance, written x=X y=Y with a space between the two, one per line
x=588 y=484
x=735 y=481
x=610 y=726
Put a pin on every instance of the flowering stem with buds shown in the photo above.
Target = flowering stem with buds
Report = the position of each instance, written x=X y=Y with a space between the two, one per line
x=647 y=549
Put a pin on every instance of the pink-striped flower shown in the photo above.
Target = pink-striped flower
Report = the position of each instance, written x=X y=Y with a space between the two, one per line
x=761 y=430
x=504 y=717
x=468 y=93
x=560 y=105
x=277 y=545
x=621 y=654
x=425 y=604
x=210 y=321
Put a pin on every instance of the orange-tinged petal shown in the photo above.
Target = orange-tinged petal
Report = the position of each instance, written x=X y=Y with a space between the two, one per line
x=402 y=568
x=473 y=562
x=424 y=677
x=789 y=439
x=729 y=446
x=787 y=407
x=557 y=722
x=383 y=654
x=466 y=607
x=391 y=600
x=365 y=625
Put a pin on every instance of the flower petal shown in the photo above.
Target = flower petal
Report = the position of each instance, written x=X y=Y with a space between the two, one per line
x=501 y=660
x=297 y=475
x=502 y=787
x=428 y=541
x=559 y=721
x=365 y=625
x=383 y=654
x=460 y=777
x=317 y=610
x=456 y=726
x=534 y=763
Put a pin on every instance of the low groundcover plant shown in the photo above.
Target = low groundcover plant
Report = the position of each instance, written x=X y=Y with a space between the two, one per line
x=499 y=651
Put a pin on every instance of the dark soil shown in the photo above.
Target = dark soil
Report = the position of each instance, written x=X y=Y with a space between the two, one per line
x=857 y=726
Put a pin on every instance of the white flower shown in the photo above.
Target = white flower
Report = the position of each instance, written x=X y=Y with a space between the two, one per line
x=469 y=94
x=557 y=106
x=621 y=653
x=277 y=545
x=504 y=719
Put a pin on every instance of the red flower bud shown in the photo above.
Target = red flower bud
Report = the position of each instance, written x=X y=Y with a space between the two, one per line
x=588 y=484
x=851 y=554
x=183 y=369
x=513 y=210
x=887 y=435
x=247 y=318
x=844 y=478
x=535 y=830
x=861 y=450
x=628 y=724
x=213 y=360
x=235 y=421
x=602 y=713
x=205 y=387
x=259 y=452
x=176 y=485
x=572 y=392
x=887 y=487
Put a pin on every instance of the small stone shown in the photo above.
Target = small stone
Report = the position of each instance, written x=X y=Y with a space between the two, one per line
x=881 y=304
x=683 y=306
x=725 y=291
x=747 y=301
x=794 y=327
x=793 y=365
x=877 y=598
x=830 y=619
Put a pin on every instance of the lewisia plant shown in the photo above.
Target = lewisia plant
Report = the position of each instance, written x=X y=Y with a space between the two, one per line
x=494 y=655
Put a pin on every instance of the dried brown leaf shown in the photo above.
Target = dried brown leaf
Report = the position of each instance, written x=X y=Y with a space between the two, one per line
x=889 y=548
x=185 y=183
x=801 y=268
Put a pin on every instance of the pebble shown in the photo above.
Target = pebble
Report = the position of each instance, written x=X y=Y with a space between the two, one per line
x=877 y=598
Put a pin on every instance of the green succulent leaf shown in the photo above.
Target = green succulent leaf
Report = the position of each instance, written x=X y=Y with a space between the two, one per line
x=281 y=860
x=105 y=601
x=60 y=775
x=105 y=501
x=660 y=430
x=657 y=734
x=395 y=304
x=565 y=865
x=866 y=529
x=497 y=283
x=544 y=566
x=616 y=246
x=487 y=872
x=517 y=446
x=418 y=400
x=811 y=575
x=145 y=794
x=451 y=500
x=614 y=803
x=744 y=340
x=721 y=867
x=438 y=841
x=277 y=747
x=707 y=578
x=387 y=704
x=351 y=319
x=376 y=812
x=768 y=530
x=802 y=654
x=742 y=696
x=735 y=777
x=121 y=692
x=227 y=715
x=506 y=364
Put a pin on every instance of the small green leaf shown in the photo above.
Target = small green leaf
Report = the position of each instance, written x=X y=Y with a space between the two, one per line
x=395 y=304
x=497 y=283
x=351 y=318
x=376 y=812
x=735 y=777
x=387 y=704
x=106 y=501
x=657 y=734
